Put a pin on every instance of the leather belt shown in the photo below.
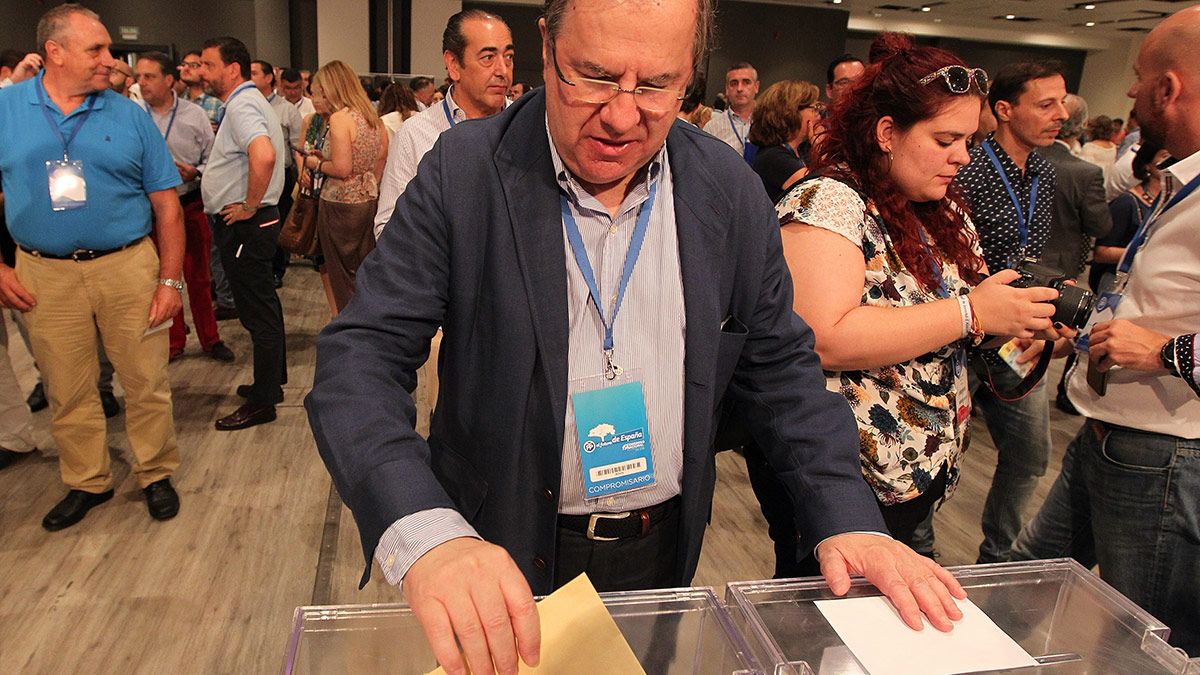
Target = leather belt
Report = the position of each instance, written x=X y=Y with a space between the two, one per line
x=81 y=254
x=622 y=525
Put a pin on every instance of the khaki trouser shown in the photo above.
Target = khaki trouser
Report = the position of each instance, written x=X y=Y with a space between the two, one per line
x=111 y=295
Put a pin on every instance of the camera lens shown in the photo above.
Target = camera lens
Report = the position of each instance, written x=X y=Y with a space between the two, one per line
x=1073 y=306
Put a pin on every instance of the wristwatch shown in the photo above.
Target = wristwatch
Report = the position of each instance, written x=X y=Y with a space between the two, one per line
x=172 y=283
x=1167 y=356
x=246 y=207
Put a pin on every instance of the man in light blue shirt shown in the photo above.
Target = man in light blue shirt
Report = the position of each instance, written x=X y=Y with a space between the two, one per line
x=87 y=175
x=241 y=188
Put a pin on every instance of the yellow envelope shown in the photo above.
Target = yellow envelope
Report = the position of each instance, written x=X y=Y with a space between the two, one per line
x=579 y=635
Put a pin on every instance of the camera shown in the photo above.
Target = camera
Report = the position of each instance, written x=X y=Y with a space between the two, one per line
x=1074 y=304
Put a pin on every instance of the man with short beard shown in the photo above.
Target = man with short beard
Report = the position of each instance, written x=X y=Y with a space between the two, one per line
x=1128 y=497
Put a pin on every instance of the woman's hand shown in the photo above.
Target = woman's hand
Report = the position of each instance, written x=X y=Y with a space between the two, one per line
x=1017 y=312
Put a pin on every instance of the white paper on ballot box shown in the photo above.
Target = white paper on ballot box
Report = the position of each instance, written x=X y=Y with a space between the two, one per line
x=884 y=645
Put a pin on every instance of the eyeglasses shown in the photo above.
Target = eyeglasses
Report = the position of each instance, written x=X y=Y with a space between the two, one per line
x=587 y=90
x=958 y=79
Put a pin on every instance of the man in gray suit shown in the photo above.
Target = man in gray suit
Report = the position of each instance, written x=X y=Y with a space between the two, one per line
x=1080 y=211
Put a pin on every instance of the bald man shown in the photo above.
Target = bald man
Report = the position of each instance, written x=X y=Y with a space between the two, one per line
x=1128 y=497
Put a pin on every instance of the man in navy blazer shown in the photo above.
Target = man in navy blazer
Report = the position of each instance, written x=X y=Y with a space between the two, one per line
x=476 y=246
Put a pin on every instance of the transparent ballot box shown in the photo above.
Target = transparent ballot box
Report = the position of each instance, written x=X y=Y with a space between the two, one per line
x=1065 y=617
x=671 y=631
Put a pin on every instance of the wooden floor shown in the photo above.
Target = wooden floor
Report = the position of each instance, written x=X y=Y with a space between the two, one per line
x=213 y=591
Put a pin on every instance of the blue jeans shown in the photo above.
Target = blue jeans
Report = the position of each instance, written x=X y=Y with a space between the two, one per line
x=1129 y=501
x=1021 y=433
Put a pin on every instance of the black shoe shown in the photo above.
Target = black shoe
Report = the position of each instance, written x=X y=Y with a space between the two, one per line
x=222 y=353
x=109 y=402
x=161 y=499
x=73 y=508
x=1064 y=404
x=245 y=390
x=224 y=313
x=37 y=398
x=249 y=415
x=10 y=457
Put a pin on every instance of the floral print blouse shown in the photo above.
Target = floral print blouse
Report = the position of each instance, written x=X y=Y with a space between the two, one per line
x=906 y=413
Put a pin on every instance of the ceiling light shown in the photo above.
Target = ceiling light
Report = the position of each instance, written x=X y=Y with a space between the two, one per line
x=1089 y=7
x=836 y=2
x=937 y=20
x=1010 y=17
x=926 y=9
x=1090 y=24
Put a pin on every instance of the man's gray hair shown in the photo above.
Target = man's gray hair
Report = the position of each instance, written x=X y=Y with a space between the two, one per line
x=555 y=11
x=53 y=24
x=1077 y=108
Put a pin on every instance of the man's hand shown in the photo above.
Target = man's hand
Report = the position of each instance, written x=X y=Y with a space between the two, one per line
x=1122 y=343
x=27 y=68
x=472 y=590
x=913 y=583
x=187 y=172
x=13 y=294
x=234 y=213
x=166 y=303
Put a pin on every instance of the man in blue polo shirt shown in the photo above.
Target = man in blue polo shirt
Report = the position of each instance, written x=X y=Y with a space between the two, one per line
x=86 y=174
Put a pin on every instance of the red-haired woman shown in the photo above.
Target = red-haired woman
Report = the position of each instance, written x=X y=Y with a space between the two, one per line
x=889 y=275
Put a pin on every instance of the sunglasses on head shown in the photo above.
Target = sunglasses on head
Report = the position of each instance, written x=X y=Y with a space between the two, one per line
x=958 y=79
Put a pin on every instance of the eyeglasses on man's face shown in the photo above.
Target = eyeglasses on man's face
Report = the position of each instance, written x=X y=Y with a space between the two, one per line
x=588 y=90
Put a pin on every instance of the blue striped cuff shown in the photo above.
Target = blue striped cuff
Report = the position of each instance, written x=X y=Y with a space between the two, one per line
x=414 y=535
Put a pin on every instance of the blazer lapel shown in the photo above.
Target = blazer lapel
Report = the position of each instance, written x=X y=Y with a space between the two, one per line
x=702 y=225
x=532 y=196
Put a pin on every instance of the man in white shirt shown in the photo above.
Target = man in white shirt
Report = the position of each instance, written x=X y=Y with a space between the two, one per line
x=1128 y=497
x=733 y=125
x=292 y=86
x=478 y=51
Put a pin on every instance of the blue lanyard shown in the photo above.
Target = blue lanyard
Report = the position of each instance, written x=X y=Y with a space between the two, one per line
x=446 y=109
x=241 y=87
x=1023 y=221
x=1135 y=245
x=66 y=141
x=742 y=141
x=631 y=257
x=171 y=122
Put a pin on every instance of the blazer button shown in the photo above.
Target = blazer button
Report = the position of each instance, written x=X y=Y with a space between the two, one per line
x=539 y=562
x=548 y=494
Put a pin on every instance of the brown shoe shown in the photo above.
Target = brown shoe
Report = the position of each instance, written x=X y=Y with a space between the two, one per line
x=249 y=415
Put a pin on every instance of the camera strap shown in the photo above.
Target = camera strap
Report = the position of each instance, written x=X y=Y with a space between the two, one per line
x=991 y=359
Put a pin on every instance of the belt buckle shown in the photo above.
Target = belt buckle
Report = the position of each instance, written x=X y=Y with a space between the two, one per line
x=591 y=528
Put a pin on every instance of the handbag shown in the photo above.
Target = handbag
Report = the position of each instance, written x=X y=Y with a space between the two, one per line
x=299 y=232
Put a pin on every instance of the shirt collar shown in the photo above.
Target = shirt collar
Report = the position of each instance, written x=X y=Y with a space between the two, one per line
x=95 y=100
x=1185 y=169
x=570 y=185
x=458 y=113
x=1034 y=165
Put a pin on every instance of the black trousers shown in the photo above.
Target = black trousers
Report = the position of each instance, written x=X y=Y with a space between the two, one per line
x=247 y=249
x=280 y=261
x=902 y=519
x=625 y=565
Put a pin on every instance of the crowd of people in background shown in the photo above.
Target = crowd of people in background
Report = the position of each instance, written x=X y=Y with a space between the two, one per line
x=910 y=200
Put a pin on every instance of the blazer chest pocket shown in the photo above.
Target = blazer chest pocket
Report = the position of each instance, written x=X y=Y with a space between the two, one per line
x=460 y=480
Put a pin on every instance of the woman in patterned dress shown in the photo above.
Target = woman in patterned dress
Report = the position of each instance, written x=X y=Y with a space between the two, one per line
x=351 y=161
x=888 y=271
